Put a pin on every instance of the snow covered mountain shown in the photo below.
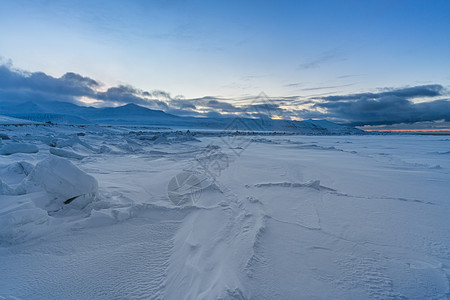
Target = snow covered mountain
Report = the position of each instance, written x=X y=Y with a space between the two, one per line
x=131 y=114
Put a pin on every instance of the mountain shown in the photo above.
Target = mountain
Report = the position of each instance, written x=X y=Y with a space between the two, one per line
x=51 y=117
x=132 y=114
x=22 y=108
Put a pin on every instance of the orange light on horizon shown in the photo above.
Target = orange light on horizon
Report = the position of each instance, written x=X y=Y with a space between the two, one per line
x=410 y=130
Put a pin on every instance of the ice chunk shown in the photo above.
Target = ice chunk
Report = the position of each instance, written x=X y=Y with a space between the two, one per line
x=12 y=148
x=11 y=177
x=15 y=172
x=72 y=141
x=66 y=153
x=162 y=139
x=64 y=182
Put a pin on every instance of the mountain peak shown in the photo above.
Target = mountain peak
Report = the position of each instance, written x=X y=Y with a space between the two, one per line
x=134 y=107
x=131 y=105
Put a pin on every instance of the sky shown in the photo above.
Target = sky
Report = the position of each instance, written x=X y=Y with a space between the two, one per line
x=210 y=54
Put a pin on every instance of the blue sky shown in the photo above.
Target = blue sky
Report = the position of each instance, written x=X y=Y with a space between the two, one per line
x=234 y=49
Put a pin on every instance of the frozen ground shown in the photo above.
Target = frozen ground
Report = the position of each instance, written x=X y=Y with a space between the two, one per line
x=129 y=213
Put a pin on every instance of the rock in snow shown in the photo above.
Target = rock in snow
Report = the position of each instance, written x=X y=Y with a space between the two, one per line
x=4 y=136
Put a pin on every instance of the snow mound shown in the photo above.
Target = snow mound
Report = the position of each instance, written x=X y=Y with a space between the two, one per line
x=12 y=148
x=64 y=183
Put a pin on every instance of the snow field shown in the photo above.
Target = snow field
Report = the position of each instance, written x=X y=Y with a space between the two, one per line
x=278 y=217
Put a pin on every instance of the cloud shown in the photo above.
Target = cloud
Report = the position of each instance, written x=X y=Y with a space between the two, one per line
x=387 y=108
x=73 y=77
x=206 y=104
x=70 y=84
x=123 y=94
x=348 y=76
x=431 y=90
x=326 y=87
x=292 y=85
x=327 y=57
x=222 y=106
x=182 y=104
x=19 y=86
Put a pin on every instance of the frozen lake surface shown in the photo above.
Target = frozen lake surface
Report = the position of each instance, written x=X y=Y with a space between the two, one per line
x=129 y=213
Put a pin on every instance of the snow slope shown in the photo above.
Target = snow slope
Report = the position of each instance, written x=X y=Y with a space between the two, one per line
x=132 y=213
x=5 y=120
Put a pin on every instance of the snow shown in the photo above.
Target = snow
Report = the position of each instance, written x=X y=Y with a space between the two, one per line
x=133 y=213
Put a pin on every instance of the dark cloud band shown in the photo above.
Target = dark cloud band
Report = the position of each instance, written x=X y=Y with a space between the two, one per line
x=388 y=106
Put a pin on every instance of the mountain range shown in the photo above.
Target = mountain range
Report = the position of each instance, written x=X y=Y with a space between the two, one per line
x=58 y=112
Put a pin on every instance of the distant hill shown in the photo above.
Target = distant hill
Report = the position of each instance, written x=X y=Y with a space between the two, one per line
x=131 y=114
x=51 y=117
x=5 y=120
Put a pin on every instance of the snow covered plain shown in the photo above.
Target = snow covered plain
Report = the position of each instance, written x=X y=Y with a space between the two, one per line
x=96 y=212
